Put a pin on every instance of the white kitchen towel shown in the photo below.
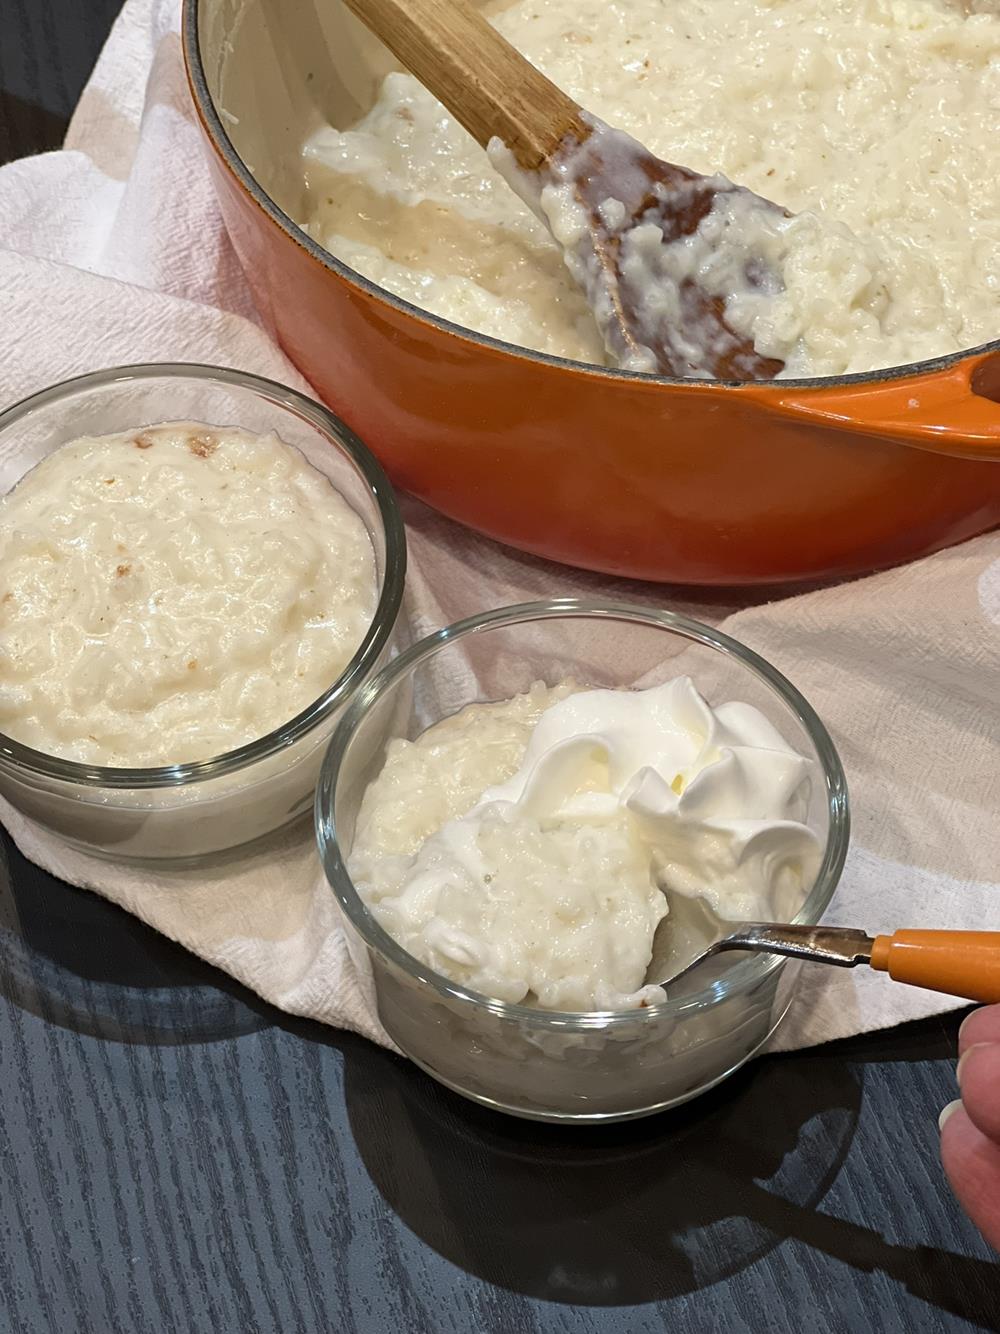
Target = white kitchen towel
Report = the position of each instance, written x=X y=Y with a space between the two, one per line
x=113 y=251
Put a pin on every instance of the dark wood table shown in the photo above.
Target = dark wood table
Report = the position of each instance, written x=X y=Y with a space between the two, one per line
x=176 y=1155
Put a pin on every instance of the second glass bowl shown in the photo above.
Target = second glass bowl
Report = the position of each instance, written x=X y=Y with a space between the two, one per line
x=184 y=812
x=536 y=1063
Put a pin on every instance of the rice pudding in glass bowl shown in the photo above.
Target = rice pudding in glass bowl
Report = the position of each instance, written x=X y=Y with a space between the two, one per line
x=499 y=867
x=198 y=567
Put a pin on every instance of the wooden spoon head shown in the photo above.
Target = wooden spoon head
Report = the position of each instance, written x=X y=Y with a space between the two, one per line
x=657 y=249
x=686 y=332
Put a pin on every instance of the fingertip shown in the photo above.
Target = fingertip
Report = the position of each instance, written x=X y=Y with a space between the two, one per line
x=972 y=1165
x=979 y=1082
x=981 y=1026
x=963 y=1059
x=947 y=1113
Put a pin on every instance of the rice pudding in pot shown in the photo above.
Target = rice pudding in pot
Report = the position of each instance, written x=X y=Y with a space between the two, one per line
x=872 y=121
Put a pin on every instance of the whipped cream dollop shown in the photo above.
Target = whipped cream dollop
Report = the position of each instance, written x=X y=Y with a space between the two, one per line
x=549 y=890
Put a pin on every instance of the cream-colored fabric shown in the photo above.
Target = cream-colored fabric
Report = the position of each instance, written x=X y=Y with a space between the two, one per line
x=113 y=251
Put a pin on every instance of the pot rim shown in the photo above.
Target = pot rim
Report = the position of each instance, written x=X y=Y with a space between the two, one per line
x=216 y=131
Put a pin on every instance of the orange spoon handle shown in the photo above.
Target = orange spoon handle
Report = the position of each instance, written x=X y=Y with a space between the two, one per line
x=960 y=963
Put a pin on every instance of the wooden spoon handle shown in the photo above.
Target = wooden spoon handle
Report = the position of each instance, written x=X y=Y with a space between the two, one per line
x=959 y=963
x=485 y=83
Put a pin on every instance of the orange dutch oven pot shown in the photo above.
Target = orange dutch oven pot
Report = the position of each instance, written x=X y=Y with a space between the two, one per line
x=677 y=481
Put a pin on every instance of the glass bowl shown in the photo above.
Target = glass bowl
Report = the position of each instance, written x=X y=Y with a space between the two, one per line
x=184 y=812
x=536 y=1063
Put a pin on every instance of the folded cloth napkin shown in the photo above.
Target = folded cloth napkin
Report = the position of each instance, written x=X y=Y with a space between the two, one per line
x=113 y=251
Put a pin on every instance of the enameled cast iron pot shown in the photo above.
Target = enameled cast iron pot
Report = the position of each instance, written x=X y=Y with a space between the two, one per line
x=700 y=483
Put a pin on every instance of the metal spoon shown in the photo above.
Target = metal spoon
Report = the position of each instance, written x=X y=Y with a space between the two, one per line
x=958 y=963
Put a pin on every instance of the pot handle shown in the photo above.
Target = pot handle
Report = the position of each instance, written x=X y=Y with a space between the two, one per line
x=955 y=411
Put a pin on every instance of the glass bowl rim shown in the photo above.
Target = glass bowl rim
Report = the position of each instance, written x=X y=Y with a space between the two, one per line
x=22 y=759
x=739 y=976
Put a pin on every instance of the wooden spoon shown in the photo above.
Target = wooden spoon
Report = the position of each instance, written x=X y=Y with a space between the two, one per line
x=647 y=291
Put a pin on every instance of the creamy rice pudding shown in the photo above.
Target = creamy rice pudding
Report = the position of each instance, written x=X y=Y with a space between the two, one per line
x=172 y=593
x=873 y=121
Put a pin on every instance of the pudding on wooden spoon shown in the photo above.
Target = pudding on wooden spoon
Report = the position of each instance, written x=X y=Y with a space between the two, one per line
x=666 y=257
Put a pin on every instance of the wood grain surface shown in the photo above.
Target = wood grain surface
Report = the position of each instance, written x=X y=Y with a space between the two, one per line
x=47 y=50
x=175 y=1155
